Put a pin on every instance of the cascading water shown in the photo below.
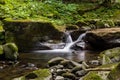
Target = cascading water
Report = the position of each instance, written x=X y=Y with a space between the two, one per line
x=68 y=38
x=68 y=44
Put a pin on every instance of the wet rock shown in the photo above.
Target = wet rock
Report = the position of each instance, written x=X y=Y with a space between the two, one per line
x=10 y=63
x=85 y=64
x=30 y=65
x=101 y=38
x=1 y=67
x=69 y=75
x=67 y=64
x=94 y=62
x=81 y=73
x=60 y=71
x=55 y=61
x=10 y=51
x=59 y=78
x=31 y=76
x=75 y=69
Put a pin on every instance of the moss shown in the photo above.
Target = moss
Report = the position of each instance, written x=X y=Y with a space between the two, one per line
x=92 y=76
x=10 y=51
x=41 y=74
x=1 y=50
x=71 y=27
x=115 y=73
x=24 y=31
x=111 y=52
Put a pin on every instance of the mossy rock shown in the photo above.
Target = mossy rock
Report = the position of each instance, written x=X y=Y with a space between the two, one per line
x=67 y=64
x=110 y=23
x=81 y=23
x=40 y=74
x=98 y=73
x=2 y=35
x=55 y=61
x=92 y=76
x=115 y=73
x=1 y=50
x=75 y=69
x=69 y=75
x=71 y=27
x=100 y=24
x=110 y=55
x=10 y=51
x=29 y=31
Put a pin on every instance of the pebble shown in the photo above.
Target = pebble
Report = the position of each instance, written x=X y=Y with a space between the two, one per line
x=59 y=78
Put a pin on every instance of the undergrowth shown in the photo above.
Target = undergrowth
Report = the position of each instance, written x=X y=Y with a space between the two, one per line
x=55 y=11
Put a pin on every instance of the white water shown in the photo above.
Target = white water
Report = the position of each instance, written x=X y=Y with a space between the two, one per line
x=67 y=48
x=68 y=37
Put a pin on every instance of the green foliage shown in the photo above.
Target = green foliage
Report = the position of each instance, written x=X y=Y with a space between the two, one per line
x=1 y=50
x=92 y=76
x=54 y=10
x=42 y=74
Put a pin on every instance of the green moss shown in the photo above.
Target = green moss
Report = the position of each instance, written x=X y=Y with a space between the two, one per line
x=55 y=11
x=41 y=74
x=111 y=52
x=10 y=51
x=115 y=73
x=1 y=50
x=92 y=76
x=23 y=31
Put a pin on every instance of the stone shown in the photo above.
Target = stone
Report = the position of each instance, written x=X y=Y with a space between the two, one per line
x=81 y=73
x=71 y=27
x=31 y=76
x=75 y=69
x=40 y=74
x=29 y=31
x=67 y=64
x=94 y=62
x=59 y=78
x=10 y=51
x=69 y=75
x=55 y=61
x=110 y=55
x=60 y=71
x=115 y=73
x=101 y=38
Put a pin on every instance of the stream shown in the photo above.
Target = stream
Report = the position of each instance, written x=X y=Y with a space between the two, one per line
x=38 y=59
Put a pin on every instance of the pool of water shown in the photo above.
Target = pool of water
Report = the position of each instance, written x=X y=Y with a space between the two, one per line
x=31 y=61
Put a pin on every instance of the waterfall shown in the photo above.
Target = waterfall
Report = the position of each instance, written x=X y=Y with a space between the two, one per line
x=68 y=44
x=68 y=38
x=79 y=40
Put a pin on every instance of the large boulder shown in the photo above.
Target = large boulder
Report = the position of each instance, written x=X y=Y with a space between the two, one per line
x=40 y=74
x=110 y=56
x=25 y=33
x=101 y=38
x=10 y=51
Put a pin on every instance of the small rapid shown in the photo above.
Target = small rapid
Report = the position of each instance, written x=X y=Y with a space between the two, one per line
x=68 y=44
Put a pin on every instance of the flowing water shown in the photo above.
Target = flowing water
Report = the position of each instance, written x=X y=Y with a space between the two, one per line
x=39 y=58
